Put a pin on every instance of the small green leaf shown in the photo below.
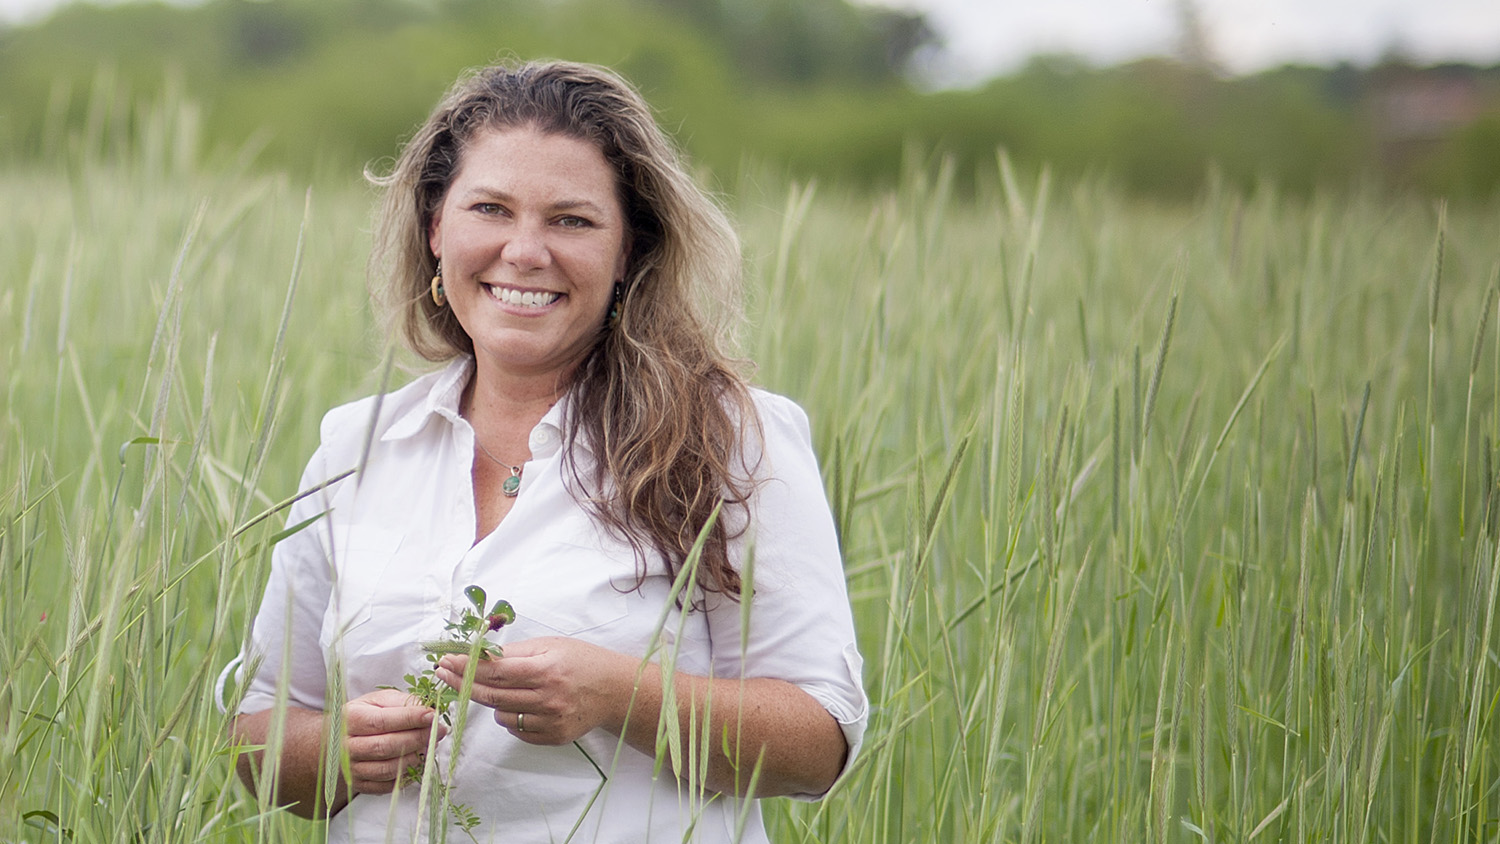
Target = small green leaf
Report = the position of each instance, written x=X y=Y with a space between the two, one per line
x=476 y=596
x=297 y=528
x=502 y=609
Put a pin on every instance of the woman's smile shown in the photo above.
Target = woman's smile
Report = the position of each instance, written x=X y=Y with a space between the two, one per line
x=534 y=300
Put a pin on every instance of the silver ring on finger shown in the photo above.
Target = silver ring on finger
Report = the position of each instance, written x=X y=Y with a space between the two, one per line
x=520 y=722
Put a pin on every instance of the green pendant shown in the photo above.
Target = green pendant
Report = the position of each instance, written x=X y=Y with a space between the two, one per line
x=511 y=486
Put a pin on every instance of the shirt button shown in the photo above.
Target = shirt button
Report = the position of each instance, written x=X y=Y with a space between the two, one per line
x=541 y=437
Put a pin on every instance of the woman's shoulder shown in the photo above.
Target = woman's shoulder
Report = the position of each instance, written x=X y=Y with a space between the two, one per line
x=778 y=414
x=778 y=443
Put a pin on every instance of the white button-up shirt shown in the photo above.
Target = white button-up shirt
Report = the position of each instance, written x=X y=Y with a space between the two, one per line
x=386 y=566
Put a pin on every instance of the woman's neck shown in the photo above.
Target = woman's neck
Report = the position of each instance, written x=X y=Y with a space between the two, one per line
x=494 y=398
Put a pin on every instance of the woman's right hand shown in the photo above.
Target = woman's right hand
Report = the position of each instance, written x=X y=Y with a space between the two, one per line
x=386 y=732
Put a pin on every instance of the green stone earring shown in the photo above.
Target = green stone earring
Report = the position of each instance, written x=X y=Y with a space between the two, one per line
x=614 y=309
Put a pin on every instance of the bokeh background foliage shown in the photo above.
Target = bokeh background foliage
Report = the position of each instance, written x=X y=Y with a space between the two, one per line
x=1164 y=520
x=821 y=88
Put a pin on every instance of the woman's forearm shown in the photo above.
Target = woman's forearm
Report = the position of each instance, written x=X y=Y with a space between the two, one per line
x=796 y=743
x=299 y=778
x=552 y=690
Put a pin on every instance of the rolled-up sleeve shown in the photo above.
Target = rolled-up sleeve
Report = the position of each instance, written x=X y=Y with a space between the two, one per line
x=801 y=627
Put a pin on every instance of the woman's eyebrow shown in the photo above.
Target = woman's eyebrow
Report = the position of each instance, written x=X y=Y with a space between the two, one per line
x=577 y=205
x=485 y=192
x=566 y=204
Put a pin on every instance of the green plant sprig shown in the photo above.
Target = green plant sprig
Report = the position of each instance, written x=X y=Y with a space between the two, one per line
x=466 y=635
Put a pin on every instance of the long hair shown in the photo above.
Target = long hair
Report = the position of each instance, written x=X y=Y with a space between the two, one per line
x=658 y=400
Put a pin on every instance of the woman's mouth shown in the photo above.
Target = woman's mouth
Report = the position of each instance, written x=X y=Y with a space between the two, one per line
x=522 y=298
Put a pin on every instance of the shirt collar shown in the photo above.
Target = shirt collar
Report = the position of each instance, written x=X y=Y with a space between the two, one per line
x=546 y=437
x=444 y=396
x=442 y=399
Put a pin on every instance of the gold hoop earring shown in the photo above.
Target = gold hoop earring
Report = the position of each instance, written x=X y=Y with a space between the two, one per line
x=439 y=297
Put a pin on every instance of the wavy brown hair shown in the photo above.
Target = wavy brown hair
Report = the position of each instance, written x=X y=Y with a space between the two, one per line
x=658 y=400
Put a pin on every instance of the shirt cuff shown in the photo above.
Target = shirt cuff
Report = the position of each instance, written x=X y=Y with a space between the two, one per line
x=852 y=715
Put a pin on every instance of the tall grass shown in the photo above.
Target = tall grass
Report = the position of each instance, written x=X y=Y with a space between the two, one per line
x=1162 y=523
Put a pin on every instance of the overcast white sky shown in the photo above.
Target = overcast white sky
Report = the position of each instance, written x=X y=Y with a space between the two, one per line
x=987 y=36
x=990 y=36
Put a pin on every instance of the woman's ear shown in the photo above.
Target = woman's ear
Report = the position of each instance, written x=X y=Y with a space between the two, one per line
x=623 y=262
x=434 y=232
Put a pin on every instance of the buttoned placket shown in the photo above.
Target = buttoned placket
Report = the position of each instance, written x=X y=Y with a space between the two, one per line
x=544 y=441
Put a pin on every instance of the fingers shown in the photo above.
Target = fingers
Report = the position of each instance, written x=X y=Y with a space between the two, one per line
x=548 y=690
x=498 y=683
x=509 y=689
x=527 y=664
x=385 y=736
x=385 y=711
x=385 y=746
x=378 y=763
x=384 y=775
x=537 y=727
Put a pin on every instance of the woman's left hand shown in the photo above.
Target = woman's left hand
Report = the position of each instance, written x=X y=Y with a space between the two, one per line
x=549 y=690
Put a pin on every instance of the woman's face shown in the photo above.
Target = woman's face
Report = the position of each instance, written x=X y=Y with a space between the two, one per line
x=532 y=239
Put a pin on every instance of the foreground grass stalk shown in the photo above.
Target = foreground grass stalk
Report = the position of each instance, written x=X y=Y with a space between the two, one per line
x=1203 y=555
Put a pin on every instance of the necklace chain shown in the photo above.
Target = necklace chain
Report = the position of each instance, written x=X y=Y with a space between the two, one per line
x=511 y=486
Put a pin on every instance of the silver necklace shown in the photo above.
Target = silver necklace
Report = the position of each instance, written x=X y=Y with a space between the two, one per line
x=511 y=486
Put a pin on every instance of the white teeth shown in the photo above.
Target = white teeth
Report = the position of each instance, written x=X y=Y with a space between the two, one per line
x=528 y=299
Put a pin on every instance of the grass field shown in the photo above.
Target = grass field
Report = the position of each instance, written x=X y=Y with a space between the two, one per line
x=1161 y=523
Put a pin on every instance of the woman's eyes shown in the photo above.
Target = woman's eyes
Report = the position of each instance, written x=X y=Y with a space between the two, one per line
x=567 y=221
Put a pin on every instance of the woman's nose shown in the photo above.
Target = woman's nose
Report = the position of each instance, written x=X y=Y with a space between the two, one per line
x=526 y=249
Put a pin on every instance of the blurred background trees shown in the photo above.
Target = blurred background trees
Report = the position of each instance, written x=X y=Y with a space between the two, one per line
x=816 y=88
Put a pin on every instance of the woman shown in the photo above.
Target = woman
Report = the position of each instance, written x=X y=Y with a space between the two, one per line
x=540 y=235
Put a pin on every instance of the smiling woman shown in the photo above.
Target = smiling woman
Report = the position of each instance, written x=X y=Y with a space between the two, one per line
x=590 y=454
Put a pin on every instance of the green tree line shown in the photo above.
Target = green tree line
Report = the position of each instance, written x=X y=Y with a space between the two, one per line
x=818 y=88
